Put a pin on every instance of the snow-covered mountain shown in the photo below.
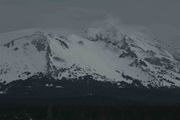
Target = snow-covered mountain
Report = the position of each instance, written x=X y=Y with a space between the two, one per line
x=106 y=54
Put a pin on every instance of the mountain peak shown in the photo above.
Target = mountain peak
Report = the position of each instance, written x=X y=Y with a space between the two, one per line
x=104 y=54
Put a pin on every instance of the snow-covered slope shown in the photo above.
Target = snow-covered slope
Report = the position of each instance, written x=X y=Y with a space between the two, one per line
x=104 y=53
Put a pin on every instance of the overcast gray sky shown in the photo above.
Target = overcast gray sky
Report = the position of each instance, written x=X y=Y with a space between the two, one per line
x=162 y=17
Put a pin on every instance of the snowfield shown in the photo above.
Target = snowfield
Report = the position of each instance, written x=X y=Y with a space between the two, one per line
x=106 y=54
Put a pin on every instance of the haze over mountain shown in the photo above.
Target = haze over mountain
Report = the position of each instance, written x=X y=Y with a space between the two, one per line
x=89 y=59
x=161 y=17
x=88 y=47
x=106 y=53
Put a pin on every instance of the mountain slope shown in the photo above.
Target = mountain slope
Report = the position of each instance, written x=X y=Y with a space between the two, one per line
x=106 y=54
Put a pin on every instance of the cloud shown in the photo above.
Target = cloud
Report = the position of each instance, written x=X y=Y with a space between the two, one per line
x=80 y=14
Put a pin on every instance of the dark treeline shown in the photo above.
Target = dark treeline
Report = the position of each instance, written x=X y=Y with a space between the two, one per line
x=86 y=99
x=56 y=112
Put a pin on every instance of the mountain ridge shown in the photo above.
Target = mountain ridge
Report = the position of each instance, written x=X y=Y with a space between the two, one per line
x=105 y=54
